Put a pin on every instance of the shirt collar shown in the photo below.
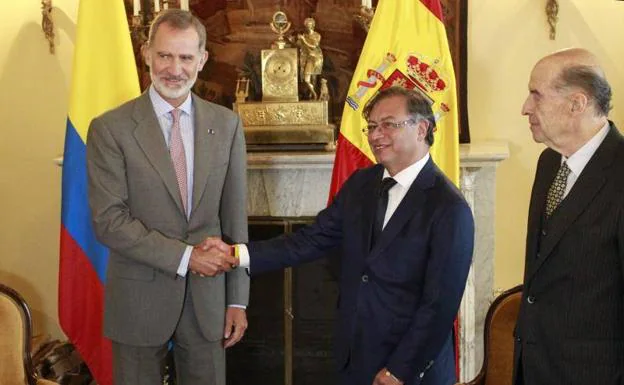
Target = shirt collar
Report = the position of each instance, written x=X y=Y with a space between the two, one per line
x=577 y=161
x=162 y=107
x=408 y=175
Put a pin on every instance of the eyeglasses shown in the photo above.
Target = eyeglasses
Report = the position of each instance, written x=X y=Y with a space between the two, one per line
x=386 y=126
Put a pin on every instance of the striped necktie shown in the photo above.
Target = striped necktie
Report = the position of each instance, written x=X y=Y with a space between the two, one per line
x=178 y=156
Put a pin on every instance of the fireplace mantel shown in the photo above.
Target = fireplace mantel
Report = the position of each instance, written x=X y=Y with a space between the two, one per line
x=296 y=184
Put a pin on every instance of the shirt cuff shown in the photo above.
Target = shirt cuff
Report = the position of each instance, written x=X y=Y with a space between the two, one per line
x=238 y=306
x=243 y=255
x=186 y=258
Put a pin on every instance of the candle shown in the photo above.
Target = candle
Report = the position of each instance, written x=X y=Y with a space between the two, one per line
x=184 y=4
x=137 y=7
x=156 y=5
x=165 y=4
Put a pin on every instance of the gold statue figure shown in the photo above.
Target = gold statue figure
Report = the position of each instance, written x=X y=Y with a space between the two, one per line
x=310 y=55
x=324 y=90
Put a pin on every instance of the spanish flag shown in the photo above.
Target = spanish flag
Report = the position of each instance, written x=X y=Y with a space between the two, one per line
x=104 y=76
x=406 y=46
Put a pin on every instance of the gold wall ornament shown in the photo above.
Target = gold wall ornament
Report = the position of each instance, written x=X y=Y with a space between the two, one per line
x=552 y=13
x=47 y=24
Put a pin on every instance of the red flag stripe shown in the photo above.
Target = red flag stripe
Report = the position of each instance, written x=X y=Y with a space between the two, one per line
x=348 y=159
x=435 y=8
x=79 y=281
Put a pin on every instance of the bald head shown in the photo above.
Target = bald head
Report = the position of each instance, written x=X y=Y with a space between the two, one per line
x=577 y=69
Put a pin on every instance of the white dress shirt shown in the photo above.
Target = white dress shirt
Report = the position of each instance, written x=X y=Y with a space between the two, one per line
x=405 y=178
x=577 y=161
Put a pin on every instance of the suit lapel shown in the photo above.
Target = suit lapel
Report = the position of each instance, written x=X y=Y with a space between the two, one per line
x=589 y=183
x=206 y=141
x=369 y=207
x=150 y=138
x=411 y=203
x=546 y=172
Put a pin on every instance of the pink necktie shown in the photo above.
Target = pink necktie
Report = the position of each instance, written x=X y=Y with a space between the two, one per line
x=176 y=149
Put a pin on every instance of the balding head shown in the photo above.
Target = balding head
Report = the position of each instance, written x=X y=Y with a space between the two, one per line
x=577 y=69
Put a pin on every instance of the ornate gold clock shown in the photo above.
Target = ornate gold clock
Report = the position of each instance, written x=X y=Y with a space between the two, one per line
x=279 y=75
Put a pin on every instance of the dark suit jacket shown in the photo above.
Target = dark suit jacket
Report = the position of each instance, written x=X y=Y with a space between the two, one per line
x=397 y=301
x=137 y=212
x=570 y=328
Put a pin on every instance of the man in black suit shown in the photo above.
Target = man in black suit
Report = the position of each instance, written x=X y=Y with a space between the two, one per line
x=406 y=238
x=570 y=328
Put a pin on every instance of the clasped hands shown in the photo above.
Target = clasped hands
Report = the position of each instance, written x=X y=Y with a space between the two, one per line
x=212 y=257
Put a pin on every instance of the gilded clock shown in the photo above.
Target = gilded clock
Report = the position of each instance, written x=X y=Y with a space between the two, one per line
x=279 y=75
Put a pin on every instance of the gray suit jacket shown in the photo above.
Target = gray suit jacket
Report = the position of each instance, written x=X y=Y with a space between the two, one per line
x=571 y=324
x=137 y=212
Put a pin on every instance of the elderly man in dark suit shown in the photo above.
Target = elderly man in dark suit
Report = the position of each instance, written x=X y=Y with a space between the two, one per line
x=406 y=235
x=570 y=328
x=166 y=171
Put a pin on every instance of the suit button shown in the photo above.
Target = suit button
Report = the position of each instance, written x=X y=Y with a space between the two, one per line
x=365 y=278
x=538 y=255
x=518 y=339
x=531 y=299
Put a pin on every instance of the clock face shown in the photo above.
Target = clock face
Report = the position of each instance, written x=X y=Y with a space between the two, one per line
x=279 y=68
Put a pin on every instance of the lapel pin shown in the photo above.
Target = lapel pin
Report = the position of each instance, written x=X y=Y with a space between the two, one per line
x=211 y=131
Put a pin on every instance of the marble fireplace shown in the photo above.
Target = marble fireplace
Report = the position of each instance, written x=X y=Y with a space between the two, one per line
x=293 y=327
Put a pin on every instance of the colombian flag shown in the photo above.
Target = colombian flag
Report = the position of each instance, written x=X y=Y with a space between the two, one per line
x=406 y=46
x=104 y=76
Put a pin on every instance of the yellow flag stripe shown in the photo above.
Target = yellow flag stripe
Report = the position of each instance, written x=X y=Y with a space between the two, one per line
x=104 y=73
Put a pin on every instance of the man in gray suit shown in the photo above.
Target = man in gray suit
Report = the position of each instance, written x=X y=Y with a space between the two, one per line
x=570 y=328
x=166 y=171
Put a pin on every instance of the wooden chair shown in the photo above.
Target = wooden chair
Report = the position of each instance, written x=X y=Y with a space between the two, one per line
x=15 y=341
x=498 y=339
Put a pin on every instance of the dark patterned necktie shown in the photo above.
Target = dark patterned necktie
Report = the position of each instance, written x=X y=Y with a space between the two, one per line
x=557 y=188
x=382 y=205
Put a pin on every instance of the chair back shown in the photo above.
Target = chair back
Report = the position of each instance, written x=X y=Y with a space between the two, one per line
x=499 y=341
x=15 y=335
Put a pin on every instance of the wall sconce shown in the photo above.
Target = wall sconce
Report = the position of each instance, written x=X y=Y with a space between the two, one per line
x=47 y=25
x=552 y=14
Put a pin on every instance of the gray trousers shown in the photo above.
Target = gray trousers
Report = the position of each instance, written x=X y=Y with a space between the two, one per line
x=197 y=360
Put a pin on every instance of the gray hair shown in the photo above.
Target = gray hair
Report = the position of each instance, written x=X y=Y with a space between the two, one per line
x=181 y=20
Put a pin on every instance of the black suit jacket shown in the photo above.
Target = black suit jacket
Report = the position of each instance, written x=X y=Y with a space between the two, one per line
x=570 y=328
x=397 y=301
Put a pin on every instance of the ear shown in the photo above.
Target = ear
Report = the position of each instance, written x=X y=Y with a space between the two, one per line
x=422 y=128
x=147 y=56
x=202 y=61
x=579 y=103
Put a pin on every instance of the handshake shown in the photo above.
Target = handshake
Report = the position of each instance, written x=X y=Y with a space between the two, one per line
x=212 y=257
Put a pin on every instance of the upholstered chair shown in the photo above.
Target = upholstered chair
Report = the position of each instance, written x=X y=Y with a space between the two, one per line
x=498 y=340
x=15 y=341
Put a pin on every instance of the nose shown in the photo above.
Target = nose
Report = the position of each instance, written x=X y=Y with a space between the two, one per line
x=526 y=107
x=175 y=67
